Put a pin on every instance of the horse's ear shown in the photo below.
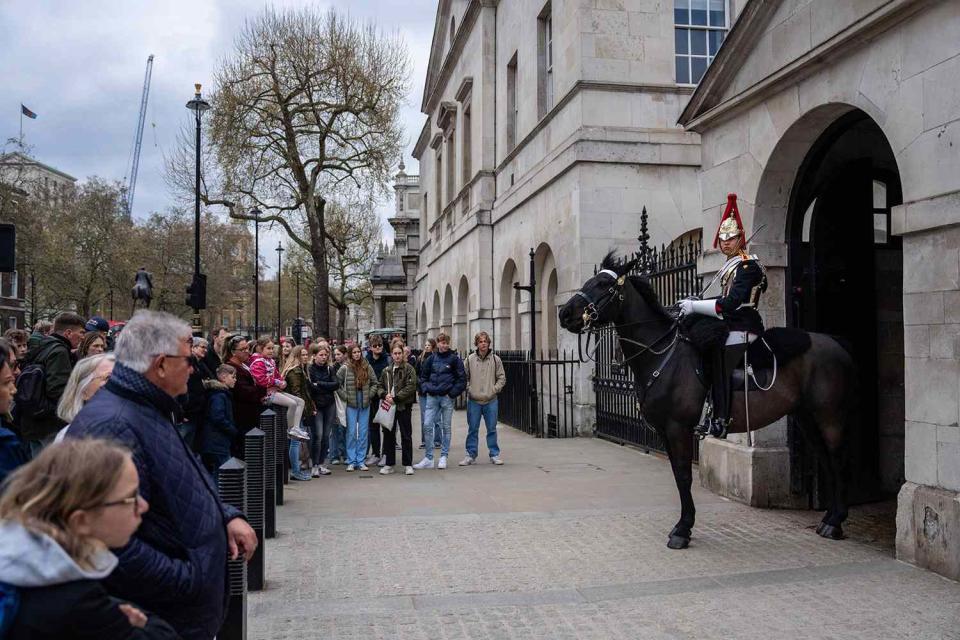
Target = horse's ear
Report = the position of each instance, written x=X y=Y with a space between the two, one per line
x=627 y=267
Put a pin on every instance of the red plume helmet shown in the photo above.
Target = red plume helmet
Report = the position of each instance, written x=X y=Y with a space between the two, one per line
x=731 y=212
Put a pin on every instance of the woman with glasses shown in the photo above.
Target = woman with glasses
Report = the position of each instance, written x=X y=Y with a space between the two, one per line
x=59 y=517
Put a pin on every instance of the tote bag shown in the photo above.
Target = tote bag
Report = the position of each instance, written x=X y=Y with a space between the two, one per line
x=387 y=411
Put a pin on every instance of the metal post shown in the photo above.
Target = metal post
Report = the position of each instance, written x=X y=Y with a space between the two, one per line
x=268 y=423
x=33 y=297
x=111 y=304
x=232 y=486
x=282 y=462
x=256 y=272
x=534 y=395
x=198 y=105
x=255 y=457
x=297 y=273
x=279 y=277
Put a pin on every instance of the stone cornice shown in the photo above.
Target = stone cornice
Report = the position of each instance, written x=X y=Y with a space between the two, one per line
x=589 y=85
x=700 y=112
x=433 y=84
x=436 y=140
x=421 y=144
x=448 y=111
x=466 y=86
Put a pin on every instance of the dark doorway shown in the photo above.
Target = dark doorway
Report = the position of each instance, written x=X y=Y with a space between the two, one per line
x=846 y=280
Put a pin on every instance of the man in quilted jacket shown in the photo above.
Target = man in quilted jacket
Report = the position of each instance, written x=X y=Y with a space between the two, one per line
x=176 y=564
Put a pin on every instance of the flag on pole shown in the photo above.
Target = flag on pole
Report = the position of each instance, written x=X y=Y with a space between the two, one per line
x=27 y=112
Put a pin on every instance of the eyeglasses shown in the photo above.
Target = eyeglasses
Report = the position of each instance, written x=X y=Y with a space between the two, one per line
x=134 y=500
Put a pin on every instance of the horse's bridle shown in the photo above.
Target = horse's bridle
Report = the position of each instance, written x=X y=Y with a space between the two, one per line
x=592 y=311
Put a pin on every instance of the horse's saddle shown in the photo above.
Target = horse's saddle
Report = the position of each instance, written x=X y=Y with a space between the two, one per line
x=759 y=381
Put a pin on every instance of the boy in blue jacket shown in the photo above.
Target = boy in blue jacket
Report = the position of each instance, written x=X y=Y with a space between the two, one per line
x=219 y=429
x=442 y=379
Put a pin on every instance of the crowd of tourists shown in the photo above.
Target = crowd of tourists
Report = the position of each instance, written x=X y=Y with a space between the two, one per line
x=110 y=518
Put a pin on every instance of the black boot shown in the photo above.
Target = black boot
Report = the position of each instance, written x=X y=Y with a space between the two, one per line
x=729 y=359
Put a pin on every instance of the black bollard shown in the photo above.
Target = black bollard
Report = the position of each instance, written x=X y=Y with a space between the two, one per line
x=268 y=424
x=231 y=482
x=255 y=511
x=283 y=451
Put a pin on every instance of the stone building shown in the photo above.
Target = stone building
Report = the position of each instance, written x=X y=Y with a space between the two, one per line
x=394 y=275
x=22 y=176
x=549 y=126
x=838 y=125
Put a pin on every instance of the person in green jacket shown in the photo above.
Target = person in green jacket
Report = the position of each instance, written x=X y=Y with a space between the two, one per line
x=358 y=388
x=294 y=372
x=398 y=384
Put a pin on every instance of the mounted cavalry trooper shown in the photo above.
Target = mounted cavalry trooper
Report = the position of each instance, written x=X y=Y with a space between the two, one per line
x=742 y=280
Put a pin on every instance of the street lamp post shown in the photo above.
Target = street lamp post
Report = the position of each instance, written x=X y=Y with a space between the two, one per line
x=197 y=290
x=297 y=274
x=534 y=396
x=255 y=212
x=279 y=274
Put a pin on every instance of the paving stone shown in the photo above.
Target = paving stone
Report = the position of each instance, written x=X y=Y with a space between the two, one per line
x=576 y=552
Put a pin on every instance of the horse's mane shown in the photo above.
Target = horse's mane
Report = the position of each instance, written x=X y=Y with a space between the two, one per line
x=610 y=261
x=645 y=289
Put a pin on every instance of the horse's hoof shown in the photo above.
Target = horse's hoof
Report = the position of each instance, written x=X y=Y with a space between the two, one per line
x=830 y=531
x=678 y=542
x=820 y=527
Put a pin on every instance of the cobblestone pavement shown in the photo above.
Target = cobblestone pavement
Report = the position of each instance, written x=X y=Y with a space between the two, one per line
x=567 y=540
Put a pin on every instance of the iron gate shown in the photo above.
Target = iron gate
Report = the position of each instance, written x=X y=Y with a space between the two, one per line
x=538 y=397
x=672 y=271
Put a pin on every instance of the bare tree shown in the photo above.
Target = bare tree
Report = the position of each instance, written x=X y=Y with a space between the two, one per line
x=358 y=234
x=305 y=112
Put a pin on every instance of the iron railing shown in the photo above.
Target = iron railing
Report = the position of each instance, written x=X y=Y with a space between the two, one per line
x=538 y=396
x=672 y=271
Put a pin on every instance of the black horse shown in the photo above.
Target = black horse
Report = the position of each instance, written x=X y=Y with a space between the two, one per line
x=818 y=386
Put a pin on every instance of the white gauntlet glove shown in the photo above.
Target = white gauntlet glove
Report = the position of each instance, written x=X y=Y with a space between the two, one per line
x=703 y=307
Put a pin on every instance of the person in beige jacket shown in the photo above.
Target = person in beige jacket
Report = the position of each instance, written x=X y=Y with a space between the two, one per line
x=485 y=379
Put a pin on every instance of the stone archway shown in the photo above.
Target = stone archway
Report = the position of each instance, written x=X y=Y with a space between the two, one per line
x=461 y=322
x=422 y=323
x=446 y=324
x=544 y=265
x=435 y=320
x=507 y=314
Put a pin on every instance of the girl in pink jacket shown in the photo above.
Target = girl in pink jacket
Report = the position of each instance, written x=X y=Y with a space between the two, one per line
x=265 y=375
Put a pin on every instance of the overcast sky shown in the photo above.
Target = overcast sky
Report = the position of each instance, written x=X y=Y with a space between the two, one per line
x=80 y=67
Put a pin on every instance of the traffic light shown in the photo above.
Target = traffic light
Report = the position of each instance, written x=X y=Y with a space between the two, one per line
x=197 y=292
x=298 y=330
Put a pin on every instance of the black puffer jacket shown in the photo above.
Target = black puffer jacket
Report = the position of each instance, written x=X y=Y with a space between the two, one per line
x=323 y=384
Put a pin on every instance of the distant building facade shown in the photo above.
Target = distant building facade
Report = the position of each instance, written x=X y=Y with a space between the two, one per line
x=20 y=177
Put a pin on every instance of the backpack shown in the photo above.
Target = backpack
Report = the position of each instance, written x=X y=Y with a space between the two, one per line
x=9 y=607
x=31 y=395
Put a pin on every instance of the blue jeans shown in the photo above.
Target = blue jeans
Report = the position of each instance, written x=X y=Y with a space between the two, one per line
x=337 y=447
x=294 y=452
x=439 y=416
x=321 y=430
x=423 y=422
x=357 y=433
x=488 y=412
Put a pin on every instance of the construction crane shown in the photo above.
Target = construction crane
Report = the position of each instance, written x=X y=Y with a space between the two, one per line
x=131 y=186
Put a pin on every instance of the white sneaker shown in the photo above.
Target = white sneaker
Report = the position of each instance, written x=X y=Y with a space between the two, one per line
x=299 y=434
x=495 y=460
x=371 y=459
x=386 y=470
x=315 y=472
x=426 y=463
x=442 y=464
x=350 y=467
x=364 y=467
x=408 y=471
x=323 y=471
x=383 y=461
x=466 y=462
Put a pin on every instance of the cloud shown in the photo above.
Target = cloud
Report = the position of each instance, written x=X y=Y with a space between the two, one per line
x=80 y=67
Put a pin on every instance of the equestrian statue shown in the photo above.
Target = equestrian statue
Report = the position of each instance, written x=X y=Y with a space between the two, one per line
x=756 y=376
x=142 y=288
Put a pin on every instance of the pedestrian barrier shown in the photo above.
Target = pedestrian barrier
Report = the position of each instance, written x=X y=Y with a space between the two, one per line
x=282 y=446
x=232 y=484
x=268 y=424
x=255 y=457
